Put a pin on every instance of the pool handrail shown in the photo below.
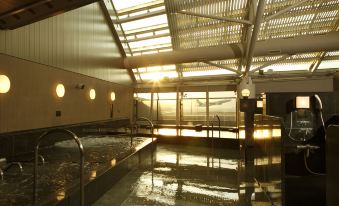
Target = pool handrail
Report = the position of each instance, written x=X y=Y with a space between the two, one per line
x=219 y=128
x=9 y=165
x=82 y=160
x=219 y=125
x=150 y=123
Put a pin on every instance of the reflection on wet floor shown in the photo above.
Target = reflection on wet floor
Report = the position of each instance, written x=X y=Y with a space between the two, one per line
x=184 y=175
x=259 y=133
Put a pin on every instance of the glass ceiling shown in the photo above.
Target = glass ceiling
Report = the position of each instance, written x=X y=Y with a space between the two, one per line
x=152 y=26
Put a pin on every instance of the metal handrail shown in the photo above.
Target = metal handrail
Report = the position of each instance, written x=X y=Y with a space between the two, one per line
x=82 y=159
x=7 y=166
x=218 y=118
x=150 y=123
x=42 y=159
x=12 y=164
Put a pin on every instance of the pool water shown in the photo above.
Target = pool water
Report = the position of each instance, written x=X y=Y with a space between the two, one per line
x=60 y=174
x=186 y=175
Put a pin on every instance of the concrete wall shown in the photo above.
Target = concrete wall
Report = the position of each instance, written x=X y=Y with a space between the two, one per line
x=306 y=85
x=32 y=102
x=79 y=41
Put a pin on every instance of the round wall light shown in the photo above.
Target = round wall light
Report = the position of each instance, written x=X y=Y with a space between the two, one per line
x=60 y=90
x=92 y=94
x=112 y=96
x=5 y=84
x=245 y=92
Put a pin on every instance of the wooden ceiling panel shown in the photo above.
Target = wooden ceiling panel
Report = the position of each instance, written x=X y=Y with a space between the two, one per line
x=12 y=5
x=15 y=13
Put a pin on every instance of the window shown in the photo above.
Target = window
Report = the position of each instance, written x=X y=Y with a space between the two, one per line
x=193 y=108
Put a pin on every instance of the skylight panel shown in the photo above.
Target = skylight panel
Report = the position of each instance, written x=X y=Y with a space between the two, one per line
x=159 y=75
x=123 y=4
x=150 y=42
x=147 y=22
x=156 y=73
x=206 y=73
x=334 y=53
x=289 y=66
x=329 y=64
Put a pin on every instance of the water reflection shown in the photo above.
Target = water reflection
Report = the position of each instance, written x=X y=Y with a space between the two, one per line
x=186 y=175
x=93 y=175
x=113 y=162
x=193 y=133
x=60 y=195
x=259 y=133
x=262 y=133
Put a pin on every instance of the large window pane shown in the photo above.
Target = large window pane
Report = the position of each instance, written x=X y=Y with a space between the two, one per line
x=194 y=108
x=143 y=104
x=224 y=105
x=166 y=104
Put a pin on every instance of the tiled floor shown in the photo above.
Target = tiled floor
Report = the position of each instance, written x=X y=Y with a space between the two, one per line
x=183 y=175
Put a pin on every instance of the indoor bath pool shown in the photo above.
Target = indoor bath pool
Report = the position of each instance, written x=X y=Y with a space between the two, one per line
x=58 y=178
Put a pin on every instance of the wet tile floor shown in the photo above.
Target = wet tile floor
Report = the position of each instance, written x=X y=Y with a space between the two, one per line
x=184 y=175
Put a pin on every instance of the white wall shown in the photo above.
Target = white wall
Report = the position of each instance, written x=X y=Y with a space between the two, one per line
x=32 y=102
x=79 y=41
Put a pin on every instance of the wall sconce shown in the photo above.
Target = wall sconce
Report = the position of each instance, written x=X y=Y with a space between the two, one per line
x=302 y=102
x=5 y=84
x=245 y=93
x=60 y=90
x=112 y=108
x=92 y=94
x=112 y=96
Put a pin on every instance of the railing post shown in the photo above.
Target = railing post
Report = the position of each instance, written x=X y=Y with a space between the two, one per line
x=81 y=169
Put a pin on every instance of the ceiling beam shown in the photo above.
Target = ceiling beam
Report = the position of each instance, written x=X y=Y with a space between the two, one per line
x=321 y=58
x=223 y=67
x=232 y=80
x=111 y=26
x=172 y=24
x=270 y=47
x=115 y=36
x=258 y=18
x=247 y=32
x=270 y=63
x=215 y=17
